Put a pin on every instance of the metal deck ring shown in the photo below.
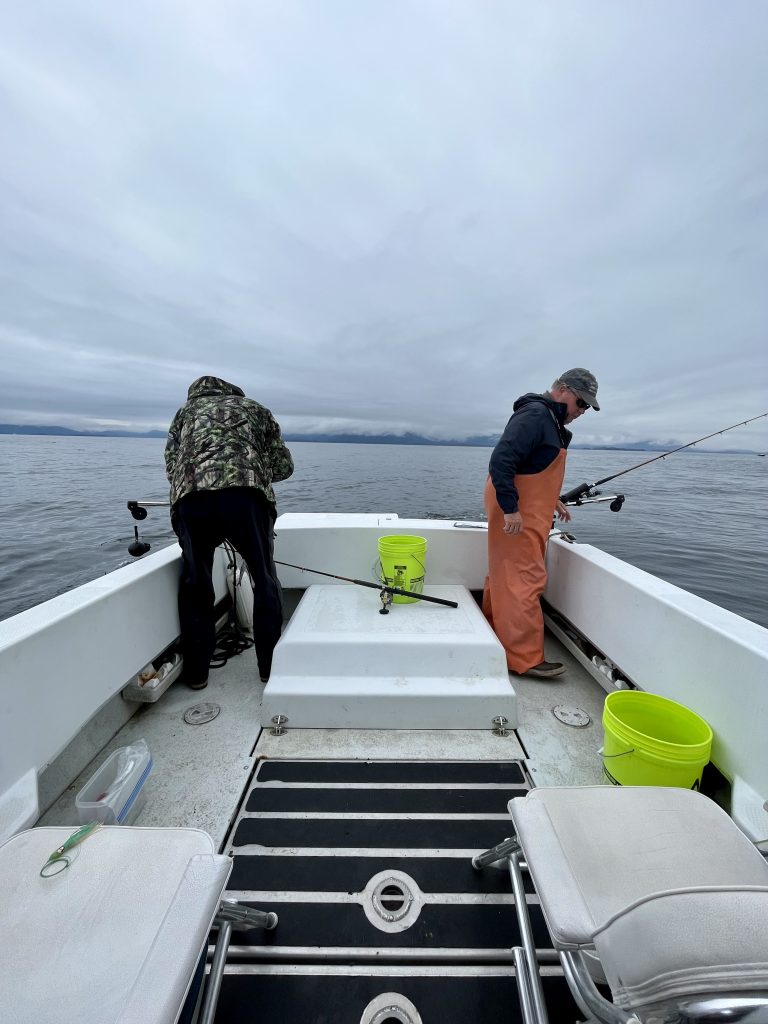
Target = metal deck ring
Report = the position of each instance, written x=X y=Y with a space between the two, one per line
x=390 y=1006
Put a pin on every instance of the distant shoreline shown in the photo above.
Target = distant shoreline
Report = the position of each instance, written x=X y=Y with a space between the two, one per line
x=389 y=439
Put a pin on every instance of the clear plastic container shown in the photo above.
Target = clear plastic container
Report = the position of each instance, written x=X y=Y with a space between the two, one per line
x=115 y=794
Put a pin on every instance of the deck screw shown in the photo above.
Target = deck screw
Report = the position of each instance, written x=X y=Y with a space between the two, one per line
x=500 y=723
x=277 y=724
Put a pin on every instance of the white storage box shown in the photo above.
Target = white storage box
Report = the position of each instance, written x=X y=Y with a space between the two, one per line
x=151 y=683
x=115 y=794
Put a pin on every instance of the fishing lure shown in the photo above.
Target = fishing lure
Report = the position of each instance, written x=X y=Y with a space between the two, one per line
x=58 y=860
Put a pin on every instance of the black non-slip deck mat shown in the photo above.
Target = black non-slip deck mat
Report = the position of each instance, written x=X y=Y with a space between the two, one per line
x=371 y=833
x=342 y=999
x=298 y=839
x=391 y=771
x=429 y=801
x=292 y=815
x=438 y=925
x=263 y=873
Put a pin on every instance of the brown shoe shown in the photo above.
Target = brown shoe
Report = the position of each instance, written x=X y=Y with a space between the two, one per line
x=199 y=685
x=546 y=670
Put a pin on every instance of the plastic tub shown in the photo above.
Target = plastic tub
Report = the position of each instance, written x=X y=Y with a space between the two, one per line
x=653 y=741
x=402 y=564
x=115 y=794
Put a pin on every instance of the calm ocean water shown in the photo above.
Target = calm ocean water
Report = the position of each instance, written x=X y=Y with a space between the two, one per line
x=694 y=519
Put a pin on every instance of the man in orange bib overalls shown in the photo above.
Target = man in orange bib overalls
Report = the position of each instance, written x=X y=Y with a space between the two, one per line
x=522 y=494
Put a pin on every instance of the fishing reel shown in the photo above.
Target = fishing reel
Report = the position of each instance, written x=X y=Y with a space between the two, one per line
x=585 y=494
x=138 y=510
x=596 y=497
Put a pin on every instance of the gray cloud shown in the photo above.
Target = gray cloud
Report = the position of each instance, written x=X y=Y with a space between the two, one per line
x=386 y=217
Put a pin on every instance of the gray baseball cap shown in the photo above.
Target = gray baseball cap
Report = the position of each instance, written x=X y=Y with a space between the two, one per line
x=582 y=383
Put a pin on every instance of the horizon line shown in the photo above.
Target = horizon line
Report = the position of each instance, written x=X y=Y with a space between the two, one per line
x=409 y=438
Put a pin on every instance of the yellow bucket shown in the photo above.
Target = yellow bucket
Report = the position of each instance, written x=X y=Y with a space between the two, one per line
x=653 y=741
x=402 y=561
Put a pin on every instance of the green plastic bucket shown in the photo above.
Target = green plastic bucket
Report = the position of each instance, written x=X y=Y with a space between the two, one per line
x=402 y=561
x=653 y=741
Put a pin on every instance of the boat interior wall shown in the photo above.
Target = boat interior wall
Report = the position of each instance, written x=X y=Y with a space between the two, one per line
x=97 y=636
x=54 y=780
x=679 y=646
x=346 y=545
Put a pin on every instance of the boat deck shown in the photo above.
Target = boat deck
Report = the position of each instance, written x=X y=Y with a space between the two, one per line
x=201 y=771
x=361 y=840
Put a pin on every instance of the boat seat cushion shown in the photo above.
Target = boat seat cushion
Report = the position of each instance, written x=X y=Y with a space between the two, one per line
x=594 y=851
x=114 y=937
x=691 y=943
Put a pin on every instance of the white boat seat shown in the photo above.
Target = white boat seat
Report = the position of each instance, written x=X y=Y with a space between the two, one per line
x=687 y=944
x=117 y=936
x=661 y=885
x=593 y=851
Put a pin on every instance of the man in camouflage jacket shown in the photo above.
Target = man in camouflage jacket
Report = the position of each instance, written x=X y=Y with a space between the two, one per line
x=224 y=452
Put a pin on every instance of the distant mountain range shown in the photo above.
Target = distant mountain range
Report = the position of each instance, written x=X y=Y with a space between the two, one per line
x=478 y=441
x=14 y=428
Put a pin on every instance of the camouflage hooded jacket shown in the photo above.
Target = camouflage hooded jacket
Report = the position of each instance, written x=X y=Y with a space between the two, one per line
x=220 y=438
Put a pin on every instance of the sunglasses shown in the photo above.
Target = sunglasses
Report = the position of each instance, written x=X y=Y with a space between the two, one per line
x=580 y=403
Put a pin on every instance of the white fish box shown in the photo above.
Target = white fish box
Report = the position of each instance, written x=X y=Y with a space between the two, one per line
x=341 y=665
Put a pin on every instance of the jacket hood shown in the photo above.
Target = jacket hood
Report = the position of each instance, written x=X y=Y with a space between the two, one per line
x=532 y=398
x=558 y=409
x=212 y=386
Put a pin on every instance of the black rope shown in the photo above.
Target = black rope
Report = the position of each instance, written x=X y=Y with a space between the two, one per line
x=230 y=641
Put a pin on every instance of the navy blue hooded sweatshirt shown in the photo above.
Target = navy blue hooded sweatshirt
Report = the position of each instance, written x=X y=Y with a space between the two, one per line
x=532 y=440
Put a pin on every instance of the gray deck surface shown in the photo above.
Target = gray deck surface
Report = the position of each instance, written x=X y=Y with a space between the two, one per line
x=558 y=754
x=200 y=772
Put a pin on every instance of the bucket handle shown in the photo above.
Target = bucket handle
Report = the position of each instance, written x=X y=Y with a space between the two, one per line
x=377 y=568
x=623 y=752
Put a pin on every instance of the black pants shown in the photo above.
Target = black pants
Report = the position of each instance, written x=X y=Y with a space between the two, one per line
x=203 y=520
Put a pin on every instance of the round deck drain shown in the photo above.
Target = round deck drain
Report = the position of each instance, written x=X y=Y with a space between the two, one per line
x=199 y=714
x=390 y=1008
x=392 y=901
x=571 y=715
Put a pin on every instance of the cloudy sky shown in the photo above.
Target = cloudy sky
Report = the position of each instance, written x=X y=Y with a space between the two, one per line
x=389 y=215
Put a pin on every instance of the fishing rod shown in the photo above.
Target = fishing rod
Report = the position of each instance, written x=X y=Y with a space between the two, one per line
x=383 y=589
x=138 y=510
x=575 y=496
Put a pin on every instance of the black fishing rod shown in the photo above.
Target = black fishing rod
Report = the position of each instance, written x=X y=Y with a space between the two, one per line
x=573 y=496
x=138 y=510
x=382 y=588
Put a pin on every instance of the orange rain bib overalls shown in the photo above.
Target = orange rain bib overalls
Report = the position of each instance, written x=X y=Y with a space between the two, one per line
x=516 y=571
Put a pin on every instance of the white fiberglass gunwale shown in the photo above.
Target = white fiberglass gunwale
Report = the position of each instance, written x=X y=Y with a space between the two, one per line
x=661 y=638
